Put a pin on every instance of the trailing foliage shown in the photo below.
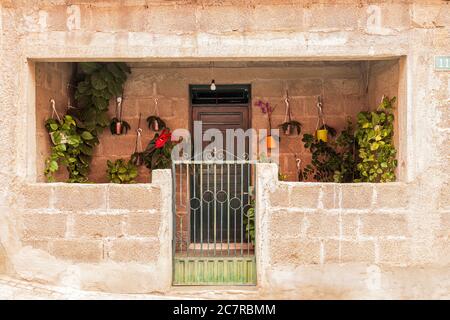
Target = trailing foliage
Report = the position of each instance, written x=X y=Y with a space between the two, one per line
x=345 y=143
x=374 y=137
x=120 y=171
x=332 y=161
x=157 y=155
x=99 y=82
x=249 y=223
x=96 y=83
x=69 y=149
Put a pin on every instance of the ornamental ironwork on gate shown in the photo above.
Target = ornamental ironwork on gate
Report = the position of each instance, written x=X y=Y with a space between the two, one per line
x=214 y=222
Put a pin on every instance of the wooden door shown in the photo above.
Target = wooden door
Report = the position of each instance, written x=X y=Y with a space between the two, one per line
x=220 y=221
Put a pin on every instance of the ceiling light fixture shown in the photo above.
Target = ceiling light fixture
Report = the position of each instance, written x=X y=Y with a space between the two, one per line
x=213 y=83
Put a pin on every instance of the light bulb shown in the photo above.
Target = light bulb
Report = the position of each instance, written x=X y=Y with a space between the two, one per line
x=213 y=85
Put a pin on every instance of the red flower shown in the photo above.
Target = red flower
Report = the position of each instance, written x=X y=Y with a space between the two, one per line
x=163 y=138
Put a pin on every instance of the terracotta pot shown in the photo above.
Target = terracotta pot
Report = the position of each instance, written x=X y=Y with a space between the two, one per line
x=322 y=135
x=118 y=127
x=271 y=142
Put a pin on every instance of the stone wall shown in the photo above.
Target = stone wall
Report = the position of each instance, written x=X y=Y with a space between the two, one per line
x=345 y=239
x=138 y=30
x=101 y=236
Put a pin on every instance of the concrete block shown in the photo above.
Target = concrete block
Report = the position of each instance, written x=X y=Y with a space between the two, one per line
x=97 y=225
x=79 y=197
x=134 y=197
x=305 y=196
x=38 y=226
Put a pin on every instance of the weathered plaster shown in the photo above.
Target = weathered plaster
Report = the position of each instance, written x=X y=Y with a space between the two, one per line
x=259 y=30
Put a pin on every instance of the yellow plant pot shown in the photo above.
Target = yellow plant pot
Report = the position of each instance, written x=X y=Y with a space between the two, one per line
x=271 y=142
x=322 y=135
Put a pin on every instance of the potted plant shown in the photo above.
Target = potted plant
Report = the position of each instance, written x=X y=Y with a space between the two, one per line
x=157 y=155
x=267 y=109
x=289 y=126
x=374 y=137
x=323 y=130
x=154 y=122
x=69 y=144
x=120 y=171
x=117 y=125
x=249 y=223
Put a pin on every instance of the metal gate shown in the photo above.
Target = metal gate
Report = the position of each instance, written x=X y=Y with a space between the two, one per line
x=214 y=222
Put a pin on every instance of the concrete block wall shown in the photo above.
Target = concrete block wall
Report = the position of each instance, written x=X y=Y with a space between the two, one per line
x=100 y=224
x=305 y=228
x=255 y=31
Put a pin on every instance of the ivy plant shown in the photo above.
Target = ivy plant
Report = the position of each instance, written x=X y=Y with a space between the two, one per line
x=345 y=143
x=68 y=145
x=120 y=171
x=374 y=136
x=95 y=83
x=325 y=159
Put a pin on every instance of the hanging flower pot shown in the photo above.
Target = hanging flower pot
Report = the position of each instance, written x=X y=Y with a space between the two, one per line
x=155 y=123
x=271 y=142
x=117 y=125
x=322 y=135
x=289 y=125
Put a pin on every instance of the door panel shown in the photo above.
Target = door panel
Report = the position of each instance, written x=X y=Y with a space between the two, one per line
x=218 y=221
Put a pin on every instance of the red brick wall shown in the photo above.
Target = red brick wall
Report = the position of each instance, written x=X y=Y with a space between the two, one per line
x=342 y=85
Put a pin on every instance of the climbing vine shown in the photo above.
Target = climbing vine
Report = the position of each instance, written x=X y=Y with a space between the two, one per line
x=374 y=136
x=68 y=142
x=95 y=84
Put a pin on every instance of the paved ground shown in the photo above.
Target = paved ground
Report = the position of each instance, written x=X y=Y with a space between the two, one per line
x=13 y=289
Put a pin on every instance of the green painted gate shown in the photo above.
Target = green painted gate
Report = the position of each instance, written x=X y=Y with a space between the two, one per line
x=214 y=222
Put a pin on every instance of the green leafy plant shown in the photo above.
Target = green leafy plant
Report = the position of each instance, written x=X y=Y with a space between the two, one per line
x=325 y=159
x=376 y=150
x=120 y=171
x=345 y=143
x=95 y=83
x=332 y=161
x=282 y=176
x=157 y=154
x=69 y=149
x=249 y=222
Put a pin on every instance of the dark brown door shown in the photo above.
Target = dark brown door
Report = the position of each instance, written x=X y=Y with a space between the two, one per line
x=223 y=187
x=221 y=117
